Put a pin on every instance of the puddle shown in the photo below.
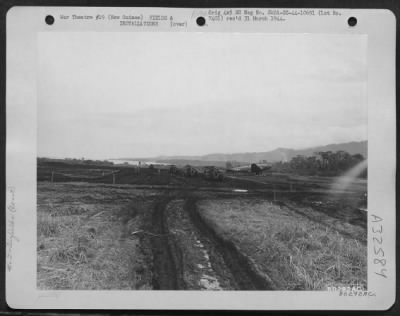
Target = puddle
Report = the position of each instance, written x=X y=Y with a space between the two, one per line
x=207 y=281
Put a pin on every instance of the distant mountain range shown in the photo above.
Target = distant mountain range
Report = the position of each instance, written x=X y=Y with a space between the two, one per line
x=279 y=154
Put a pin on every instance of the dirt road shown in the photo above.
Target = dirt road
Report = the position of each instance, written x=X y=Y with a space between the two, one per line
x=245 y=273
x=197 y=257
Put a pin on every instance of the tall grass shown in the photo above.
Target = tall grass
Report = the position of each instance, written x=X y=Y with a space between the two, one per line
x=297 y=253
x=80 y=245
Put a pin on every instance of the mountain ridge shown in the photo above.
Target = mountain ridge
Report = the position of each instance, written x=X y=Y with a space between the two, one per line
x=278 y=154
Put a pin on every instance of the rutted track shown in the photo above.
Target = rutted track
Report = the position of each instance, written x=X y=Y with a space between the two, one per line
x=168 y=261
x=166 y=270
x=246 y=274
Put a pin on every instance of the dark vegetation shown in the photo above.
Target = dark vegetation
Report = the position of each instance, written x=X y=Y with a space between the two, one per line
x=324 y=163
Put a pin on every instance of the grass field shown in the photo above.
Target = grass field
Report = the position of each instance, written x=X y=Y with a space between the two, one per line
x=84 y=239
x=294 y=251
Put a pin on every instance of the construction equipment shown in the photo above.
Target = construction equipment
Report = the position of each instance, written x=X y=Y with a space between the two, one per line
x=191 y=171
x=213 y=173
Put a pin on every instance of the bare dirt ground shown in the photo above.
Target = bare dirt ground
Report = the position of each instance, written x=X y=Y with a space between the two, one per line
x=173 y=233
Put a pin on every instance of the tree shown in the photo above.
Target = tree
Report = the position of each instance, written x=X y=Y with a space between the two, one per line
x=324 y=162
x=328 y=159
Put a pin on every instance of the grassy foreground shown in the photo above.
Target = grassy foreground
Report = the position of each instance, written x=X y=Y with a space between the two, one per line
x=297 y=253
x=84 y=238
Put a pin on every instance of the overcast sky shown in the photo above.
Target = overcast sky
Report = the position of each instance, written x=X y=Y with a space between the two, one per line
x=110 y=95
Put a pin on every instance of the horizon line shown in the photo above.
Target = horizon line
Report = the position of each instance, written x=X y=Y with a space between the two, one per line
x=177 y=156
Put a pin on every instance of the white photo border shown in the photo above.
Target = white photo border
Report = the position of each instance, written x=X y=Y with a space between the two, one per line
x=23 y=26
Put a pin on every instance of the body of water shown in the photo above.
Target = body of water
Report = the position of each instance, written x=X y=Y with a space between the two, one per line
x=135 y=162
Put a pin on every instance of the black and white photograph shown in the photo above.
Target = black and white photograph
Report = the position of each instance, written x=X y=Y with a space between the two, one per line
x=247 y=171
x=167 y=158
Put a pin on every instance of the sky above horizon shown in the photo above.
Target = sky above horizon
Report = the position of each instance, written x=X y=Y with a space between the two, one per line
x=110 y=95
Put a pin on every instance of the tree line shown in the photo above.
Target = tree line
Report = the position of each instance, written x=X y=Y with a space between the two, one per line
x=321 y=163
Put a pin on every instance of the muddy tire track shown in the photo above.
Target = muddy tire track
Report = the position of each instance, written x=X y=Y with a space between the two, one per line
x=167 y=272
x=247 y=275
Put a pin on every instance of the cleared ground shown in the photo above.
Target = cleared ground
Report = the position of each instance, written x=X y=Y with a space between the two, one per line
x=160 y=231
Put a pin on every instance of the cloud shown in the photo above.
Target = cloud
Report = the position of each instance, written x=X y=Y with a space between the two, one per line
x=158 y=94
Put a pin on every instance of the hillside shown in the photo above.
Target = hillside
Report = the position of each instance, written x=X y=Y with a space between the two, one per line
x=279 y=154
